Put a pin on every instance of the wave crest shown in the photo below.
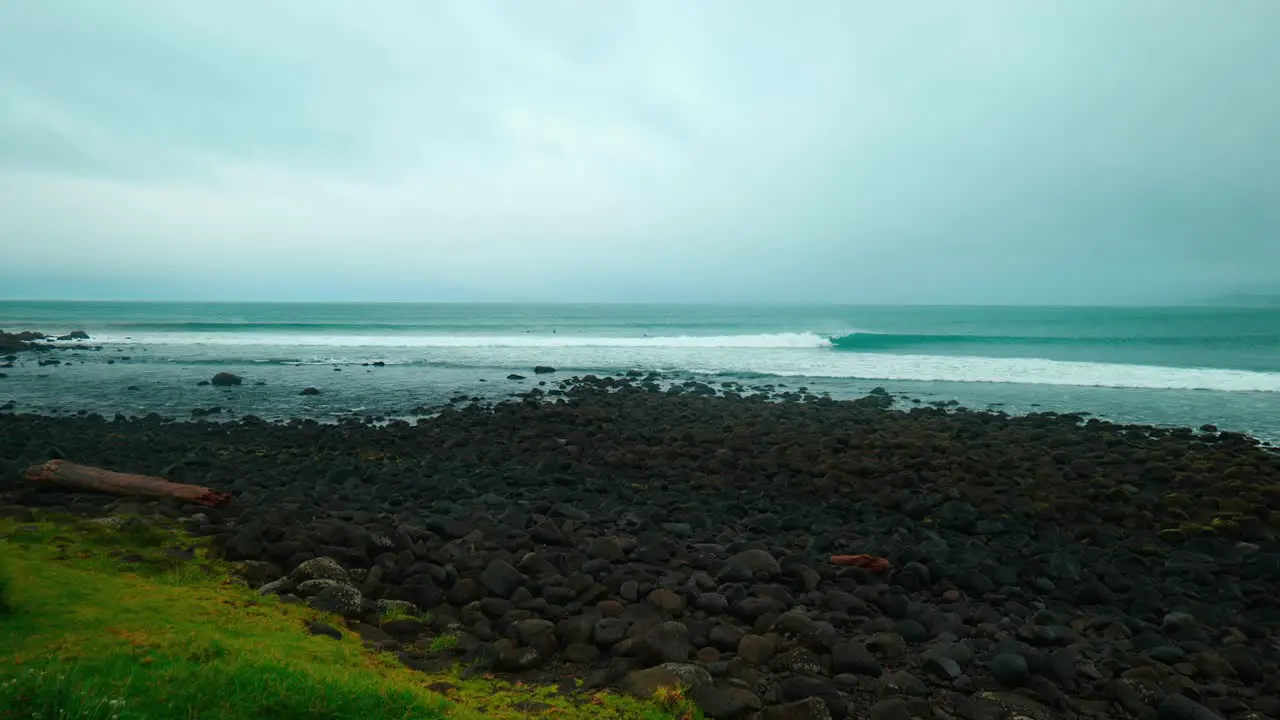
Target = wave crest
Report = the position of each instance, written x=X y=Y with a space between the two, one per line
x=567 y=340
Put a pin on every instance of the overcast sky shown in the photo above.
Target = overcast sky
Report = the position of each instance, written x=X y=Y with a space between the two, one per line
x=966 y=151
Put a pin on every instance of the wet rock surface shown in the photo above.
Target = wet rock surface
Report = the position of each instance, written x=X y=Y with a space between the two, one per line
x=14 y=342
x=1041 y=566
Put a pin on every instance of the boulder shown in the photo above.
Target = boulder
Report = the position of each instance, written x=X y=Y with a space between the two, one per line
x=341 y=599
x=315 y=627
x=1010 y=669
x=321 y=568
x=756 y=649
x=513 y=659
x=645 y=683
x=15 y=342
x=665 y=642
x=746 y=564
x=893 y=709
x=808 y=709
x=1181 y=707
x=854 y=657
x=501 y=579
x=726 y=704
x=226 y=379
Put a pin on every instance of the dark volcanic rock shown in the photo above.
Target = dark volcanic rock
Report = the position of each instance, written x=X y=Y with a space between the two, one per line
x=746 y=564
x=809 y=709
x=727 y=704
x=316 y=627
x=854 y=657
x=891 y=709
x=1042 y=566
x=501 y=579
x=1010 y=669
x=667 y=642
x=17 y=342
x=337 y=598
x=943 y=667
x=644 y=683
x=755 y=649
x=543 y=369
x=1181 y=707
x=310 y=391
x=226 y=379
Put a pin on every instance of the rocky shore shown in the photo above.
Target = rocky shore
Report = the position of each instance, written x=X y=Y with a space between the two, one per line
x=34 y=340
x=1041 y=567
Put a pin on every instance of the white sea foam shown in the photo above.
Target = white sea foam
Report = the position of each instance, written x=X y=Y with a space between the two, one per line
x=829 y=363
x=565 y=340
x=780 y=354
x=1035 y=371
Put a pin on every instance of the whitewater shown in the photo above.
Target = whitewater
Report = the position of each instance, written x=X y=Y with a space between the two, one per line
x=813 y=356
x=1173 y=366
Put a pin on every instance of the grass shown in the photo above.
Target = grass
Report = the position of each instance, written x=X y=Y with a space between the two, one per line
x=443 y=643
x=396 y=613
x=5 y=592
x=136 y=622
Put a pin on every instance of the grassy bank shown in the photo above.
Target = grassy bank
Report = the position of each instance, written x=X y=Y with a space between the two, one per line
x=135 y=622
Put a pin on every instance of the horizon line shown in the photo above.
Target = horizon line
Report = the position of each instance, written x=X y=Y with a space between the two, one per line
x=137 y=301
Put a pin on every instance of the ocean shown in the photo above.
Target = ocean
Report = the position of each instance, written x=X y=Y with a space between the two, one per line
x=1165 y=366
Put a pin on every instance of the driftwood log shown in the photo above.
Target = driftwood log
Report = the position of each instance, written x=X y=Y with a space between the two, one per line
x=83 y=477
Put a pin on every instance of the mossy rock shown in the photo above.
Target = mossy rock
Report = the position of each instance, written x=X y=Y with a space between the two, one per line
x=1234 y=505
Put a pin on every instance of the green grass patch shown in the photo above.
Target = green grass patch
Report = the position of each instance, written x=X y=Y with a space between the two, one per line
x=398 y=613
x=5 y=583
x=443 y=643
x=134 y=621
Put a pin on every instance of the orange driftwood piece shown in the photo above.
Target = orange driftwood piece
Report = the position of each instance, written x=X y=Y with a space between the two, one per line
x=867 y=562
x=83 y=477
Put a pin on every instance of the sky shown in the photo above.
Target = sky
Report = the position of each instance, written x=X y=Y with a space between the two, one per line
x=850 y=151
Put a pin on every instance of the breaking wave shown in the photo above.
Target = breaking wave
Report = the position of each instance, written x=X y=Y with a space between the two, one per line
x=565 y=340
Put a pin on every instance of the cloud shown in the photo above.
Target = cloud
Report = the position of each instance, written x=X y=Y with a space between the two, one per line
x=651 y=150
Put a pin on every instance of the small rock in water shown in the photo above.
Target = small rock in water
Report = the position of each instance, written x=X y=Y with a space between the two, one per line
x=226 y=379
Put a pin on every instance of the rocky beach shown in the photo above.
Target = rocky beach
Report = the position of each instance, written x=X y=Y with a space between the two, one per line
x=835 y=360
x=632 y=531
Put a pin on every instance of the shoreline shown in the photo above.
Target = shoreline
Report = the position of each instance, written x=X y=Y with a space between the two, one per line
x=138 y=380
x=1064 y=565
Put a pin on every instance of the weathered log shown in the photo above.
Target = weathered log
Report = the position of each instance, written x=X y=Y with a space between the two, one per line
x=84 y=477
x=866 y=562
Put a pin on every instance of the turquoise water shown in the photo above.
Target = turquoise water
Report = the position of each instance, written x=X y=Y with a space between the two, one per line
x=1171 y=366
